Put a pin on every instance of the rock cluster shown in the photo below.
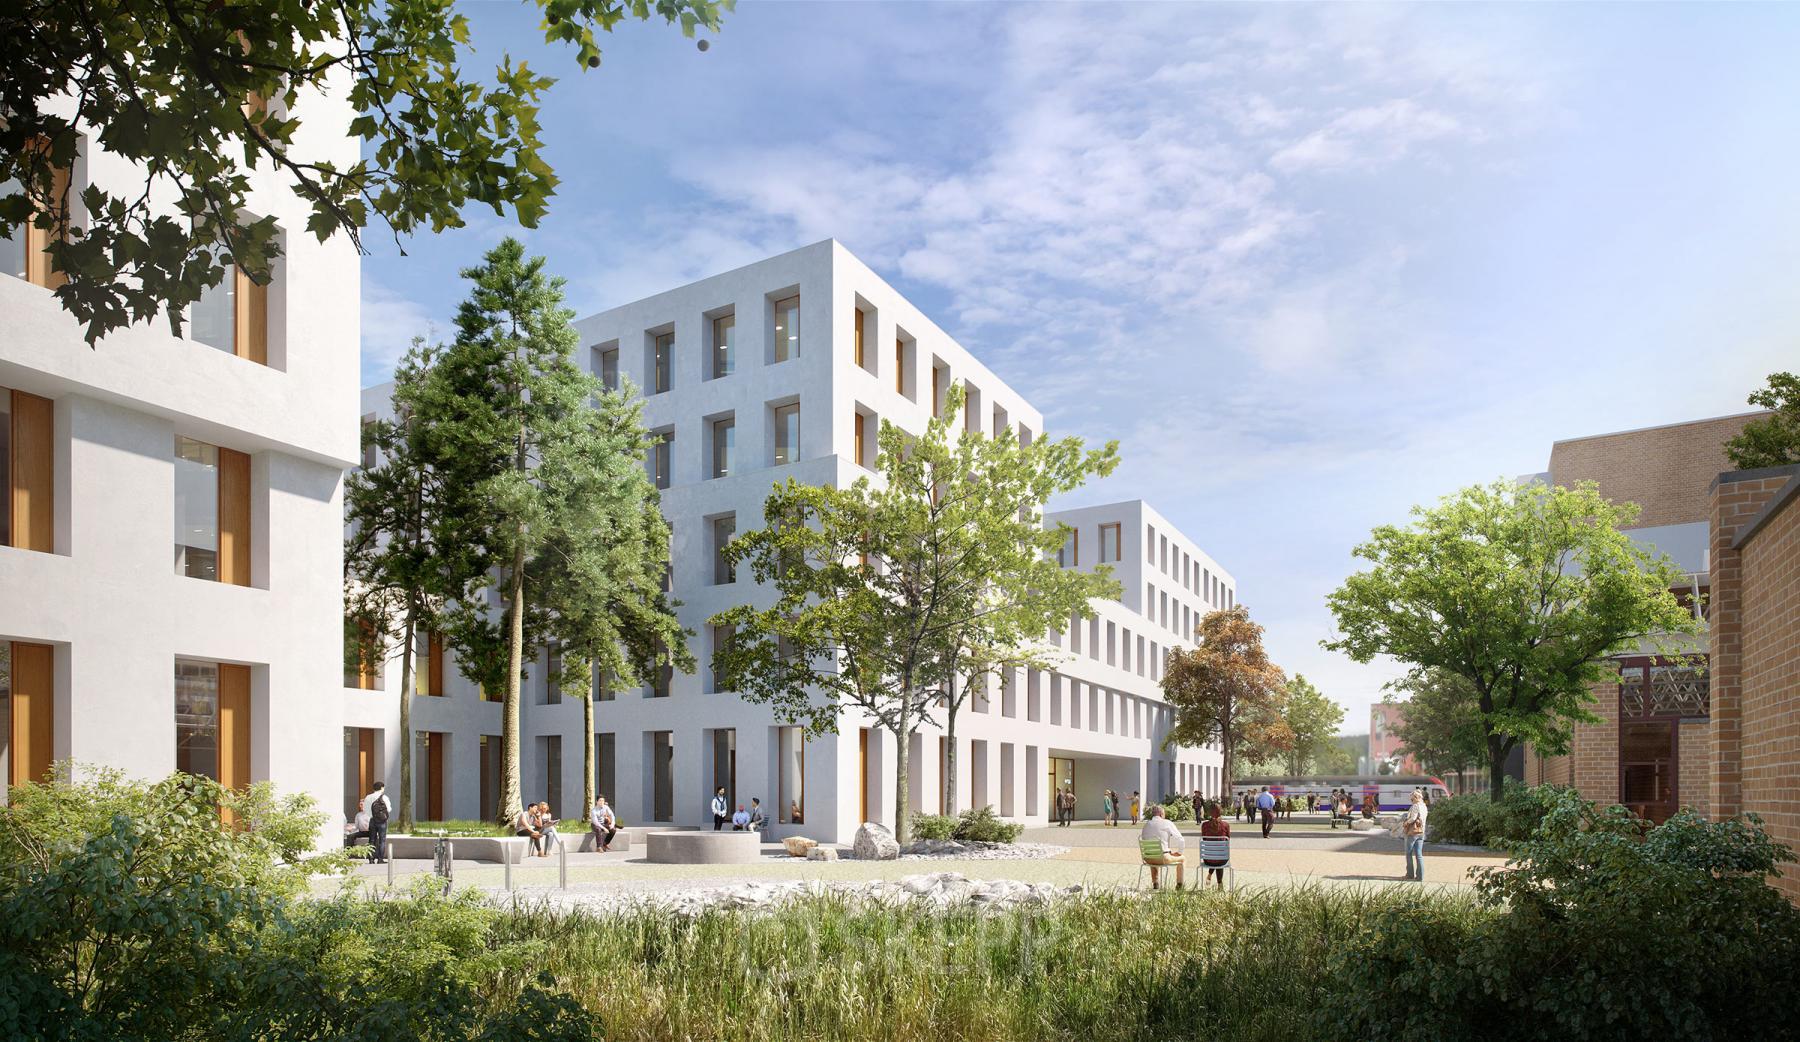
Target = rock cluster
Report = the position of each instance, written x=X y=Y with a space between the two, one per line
x=948 y=849
x=818 y=853
x=798 y=846
x=942 y=890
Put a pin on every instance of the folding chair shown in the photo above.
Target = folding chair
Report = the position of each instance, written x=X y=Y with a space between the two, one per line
x=1216 y=849
x=1154 y=855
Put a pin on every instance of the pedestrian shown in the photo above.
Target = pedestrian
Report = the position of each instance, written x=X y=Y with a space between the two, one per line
x=377 y=806
x=1412 y=826
x=1249 y=804
x=1198 y=801
x=1106 y=806
x=1137 y=806
x=547 y=825
x=1265 y=805
x=603 y=823
x=525 y=826
x=1214 y=827
x=721 y=809
x=758 y=820
x=1158 y=828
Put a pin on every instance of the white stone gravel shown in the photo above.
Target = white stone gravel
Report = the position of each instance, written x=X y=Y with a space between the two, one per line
x=950 y=849
x=938 y=889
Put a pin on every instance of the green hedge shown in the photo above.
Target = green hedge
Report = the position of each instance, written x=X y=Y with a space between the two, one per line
x=1477 y=820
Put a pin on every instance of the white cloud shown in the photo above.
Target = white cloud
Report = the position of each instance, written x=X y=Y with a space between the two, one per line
x=389 y=324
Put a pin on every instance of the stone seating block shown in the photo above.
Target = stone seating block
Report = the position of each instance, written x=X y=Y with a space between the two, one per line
x=703 y=848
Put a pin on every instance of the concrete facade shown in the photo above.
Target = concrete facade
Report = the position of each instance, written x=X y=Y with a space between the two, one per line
x=1100 y=707
x=104 y=596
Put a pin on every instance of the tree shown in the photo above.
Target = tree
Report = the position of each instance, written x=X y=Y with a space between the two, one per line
x=1226 y=690
x=200 y=95
x=1440 y=722
x=1521 y=589
x=876 y=583
x=397 y=575
x=1773 y=440
x=1313 y=721
x=602 y=567
x=534 y=463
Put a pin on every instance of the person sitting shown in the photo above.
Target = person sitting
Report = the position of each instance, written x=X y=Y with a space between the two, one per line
x=740 y=820
x=794 y=814
x=525 y=825
x=359 y=829
x=758 y=820
x=603 y=823
x=1214 y=827
x=547 y=825
x=1158 y=827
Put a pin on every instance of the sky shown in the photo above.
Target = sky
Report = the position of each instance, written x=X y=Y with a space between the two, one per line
x=1311 y=266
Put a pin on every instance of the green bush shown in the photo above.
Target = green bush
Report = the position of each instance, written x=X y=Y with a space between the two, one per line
x=1476 y=820
x=933 y=826
x=1604 y=928
x=459 y=827
x=984 y=826
x=1179 y=806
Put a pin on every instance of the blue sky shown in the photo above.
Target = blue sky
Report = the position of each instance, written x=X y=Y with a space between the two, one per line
x=1311 y=265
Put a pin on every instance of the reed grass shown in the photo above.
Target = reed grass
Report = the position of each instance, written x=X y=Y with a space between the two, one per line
x=1106 y=966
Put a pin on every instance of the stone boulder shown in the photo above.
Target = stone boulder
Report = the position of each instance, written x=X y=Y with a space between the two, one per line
x=818 y=853
x=799 y=846
x=874 y=842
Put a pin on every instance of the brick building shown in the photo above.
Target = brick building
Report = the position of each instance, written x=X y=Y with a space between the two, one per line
x=1652 y=748
x=1755 y=652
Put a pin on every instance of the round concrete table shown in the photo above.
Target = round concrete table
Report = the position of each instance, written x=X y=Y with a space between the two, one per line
x=703 y=848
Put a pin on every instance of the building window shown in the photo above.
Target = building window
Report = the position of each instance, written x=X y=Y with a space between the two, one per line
x=212 y=722
x=609 y=368
x=431 y=682
x=660 y=681
x=27 y=471
x=27 y=713
x=723 y=529
x=724 y=446
x=363 y=653
x=605 y=758
x=26 y=253
x=1150 y=544
x=212 y=512
x=553 y=773
x=787 y=434
x=862 y=444
x=787 y=329
x=233 y=317
x=1070 y=554
x=724 y=346
x=790 y=745
x=861 y=332
x=660 y=449
x=937 y=390
x=662 y=350
x=899 y=365
x=721 y=639
x=1109 y=543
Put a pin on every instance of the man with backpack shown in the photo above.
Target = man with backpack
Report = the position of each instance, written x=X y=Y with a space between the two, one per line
x=378 y=808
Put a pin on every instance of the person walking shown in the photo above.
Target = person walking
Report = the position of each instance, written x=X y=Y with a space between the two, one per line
x=1159 y=828
x=603 y=823
x=721 y=809
x=1214 y=827
x=1412 y=826
x=377 y=806
x=1265 y=806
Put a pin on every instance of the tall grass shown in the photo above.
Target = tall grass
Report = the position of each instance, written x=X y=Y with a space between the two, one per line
x=1106 y=966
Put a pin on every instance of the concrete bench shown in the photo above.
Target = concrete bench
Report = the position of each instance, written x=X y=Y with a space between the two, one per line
x=467 y=848
x=621 y=841
x=704 y=848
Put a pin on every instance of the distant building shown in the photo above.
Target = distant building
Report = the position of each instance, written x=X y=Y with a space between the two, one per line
x=1385 y=746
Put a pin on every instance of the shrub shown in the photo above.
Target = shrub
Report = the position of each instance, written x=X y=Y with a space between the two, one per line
x=933 y=826
x=1179 y=806
x=1606 y=928
x=984 y=826
x=1476 y=820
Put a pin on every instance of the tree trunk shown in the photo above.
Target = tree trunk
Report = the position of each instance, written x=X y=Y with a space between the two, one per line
x=511 y=799
x=950 y=751
x=902 y=753
x=1497 y=751
x=587 y=752
x=405 y=822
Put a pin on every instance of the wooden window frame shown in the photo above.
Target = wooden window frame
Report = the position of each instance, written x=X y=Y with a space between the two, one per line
x=31 y=497
x=860 y=353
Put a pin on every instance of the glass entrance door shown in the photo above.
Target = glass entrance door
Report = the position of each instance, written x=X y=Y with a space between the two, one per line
x=1647 y=764
x=1062 y=776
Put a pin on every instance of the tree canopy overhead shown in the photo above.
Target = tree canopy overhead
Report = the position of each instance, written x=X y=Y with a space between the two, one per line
x=197 y=92
x=1521 y=589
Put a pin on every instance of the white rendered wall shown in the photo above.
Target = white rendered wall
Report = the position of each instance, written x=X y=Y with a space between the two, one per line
x=108 y=599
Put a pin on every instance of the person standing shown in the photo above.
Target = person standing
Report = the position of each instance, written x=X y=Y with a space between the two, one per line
x=1198 y=802
x=603 y=824
x=378 y=807
x=1137 y=807
x=1265 y=806
x=721 y=809
x=1412 y=826
x=1107 y=809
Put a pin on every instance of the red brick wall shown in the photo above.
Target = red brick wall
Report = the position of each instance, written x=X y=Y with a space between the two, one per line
x=1595 y=748
x=1694 y=778
x=1664 y=470
x=1769 y=679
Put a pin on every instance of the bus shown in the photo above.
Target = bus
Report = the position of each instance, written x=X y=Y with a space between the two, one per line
x=1391 y=791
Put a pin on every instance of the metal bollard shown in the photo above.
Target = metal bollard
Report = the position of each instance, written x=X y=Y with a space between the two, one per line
x=506 y=859
x=562 y=863
x=388 y=857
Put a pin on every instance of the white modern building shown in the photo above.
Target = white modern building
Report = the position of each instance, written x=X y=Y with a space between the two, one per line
x=785 y=368
x=172 y=526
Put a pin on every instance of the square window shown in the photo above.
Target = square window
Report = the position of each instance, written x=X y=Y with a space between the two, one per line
x=787 y=328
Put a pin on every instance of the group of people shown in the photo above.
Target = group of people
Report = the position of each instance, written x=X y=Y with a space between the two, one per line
x=1173 y=844
x=537 y=824
x=744 y=819
x=1159 y=828
x=371 y=823
x=1112 y=807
